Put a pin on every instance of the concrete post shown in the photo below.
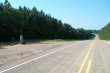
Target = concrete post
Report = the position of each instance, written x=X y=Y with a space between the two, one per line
x=22 y=39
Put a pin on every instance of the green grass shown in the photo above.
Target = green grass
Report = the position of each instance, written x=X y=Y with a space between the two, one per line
x=105 y=33
x=104 y=37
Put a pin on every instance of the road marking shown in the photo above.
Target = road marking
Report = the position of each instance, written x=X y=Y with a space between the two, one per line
x=80 y=70
x=88 y=67
x=37 y=58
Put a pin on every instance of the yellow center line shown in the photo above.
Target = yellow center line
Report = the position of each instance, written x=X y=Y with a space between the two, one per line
x=88 y=67
x=81 y=68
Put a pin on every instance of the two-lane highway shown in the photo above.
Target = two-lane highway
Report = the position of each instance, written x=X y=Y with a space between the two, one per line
x=90 y=56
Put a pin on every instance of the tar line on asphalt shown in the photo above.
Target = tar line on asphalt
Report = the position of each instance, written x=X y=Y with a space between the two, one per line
x=82 y=66
x=37 y=58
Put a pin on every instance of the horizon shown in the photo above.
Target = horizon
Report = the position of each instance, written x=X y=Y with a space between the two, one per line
x=79 y=14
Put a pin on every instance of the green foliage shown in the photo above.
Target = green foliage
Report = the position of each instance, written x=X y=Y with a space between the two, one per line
x=105 y=32
x=34 y=24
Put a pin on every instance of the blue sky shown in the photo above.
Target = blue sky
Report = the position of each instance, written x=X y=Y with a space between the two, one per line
x=88 y=14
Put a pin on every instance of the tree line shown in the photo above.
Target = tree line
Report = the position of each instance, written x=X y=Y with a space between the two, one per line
x=34 y=24
x=105 y=32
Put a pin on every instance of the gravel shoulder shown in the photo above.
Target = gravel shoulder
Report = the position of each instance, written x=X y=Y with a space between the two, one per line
x=107 y=41
x=11 y=54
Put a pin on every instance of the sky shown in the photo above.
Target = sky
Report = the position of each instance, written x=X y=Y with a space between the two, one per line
x=87 y=14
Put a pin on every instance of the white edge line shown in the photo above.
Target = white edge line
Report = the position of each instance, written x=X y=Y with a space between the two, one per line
x=35 y=59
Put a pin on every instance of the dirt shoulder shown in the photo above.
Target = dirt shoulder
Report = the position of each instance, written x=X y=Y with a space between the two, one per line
x=10 y=54
x=107 y=41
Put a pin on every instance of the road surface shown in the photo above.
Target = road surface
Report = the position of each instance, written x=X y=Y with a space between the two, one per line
x=89 y=56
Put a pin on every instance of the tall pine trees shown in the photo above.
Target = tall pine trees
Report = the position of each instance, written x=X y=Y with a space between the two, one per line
x=34 y=24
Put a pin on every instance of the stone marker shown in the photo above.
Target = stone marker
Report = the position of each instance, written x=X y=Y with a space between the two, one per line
x=22 y=39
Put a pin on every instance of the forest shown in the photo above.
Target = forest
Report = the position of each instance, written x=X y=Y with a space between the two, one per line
x=105 y=32
x=34 y=24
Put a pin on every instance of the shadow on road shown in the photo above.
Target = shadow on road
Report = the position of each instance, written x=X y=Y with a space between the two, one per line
x=2 y=48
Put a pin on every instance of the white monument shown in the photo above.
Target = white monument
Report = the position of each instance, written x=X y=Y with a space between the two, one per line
x=22 y=39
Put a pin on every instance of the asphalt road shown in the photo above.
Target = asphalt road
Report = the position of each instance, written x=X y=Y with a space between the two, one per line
x=89 y=56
